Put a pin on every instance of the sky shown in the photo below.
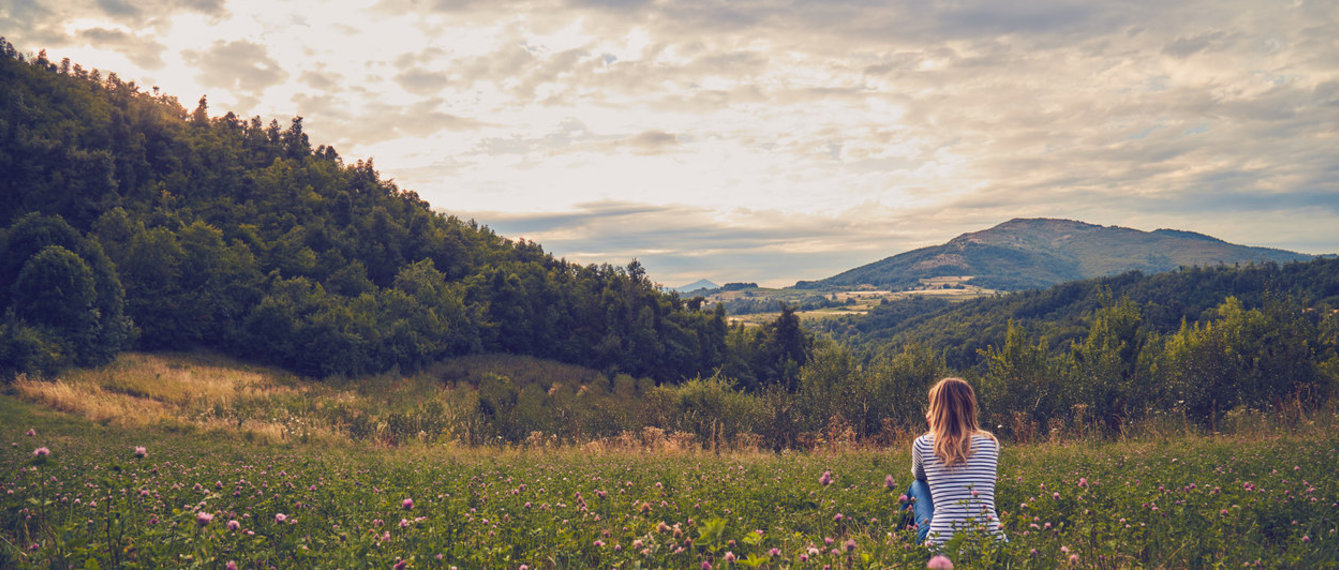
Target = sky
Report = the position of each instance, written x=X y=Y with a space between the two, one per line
x=771 y=141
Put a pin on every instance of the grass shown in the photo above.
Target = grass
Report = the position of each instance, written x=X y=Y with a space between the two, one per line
x=1191 y=501
x=226 y=442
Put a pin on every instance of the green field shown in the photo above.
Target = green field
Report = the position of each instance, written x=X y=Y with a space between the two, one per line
x=1174 y=501
x=852 y=301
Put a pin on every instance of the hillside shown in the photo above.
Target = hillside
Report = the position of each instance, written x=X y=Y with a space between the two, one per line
x=1037 y=253
x=1061 y=313
x=127 y=221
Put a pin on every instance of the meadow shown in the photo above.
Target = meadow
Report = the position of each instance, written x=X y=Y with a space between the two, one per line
x=82 y=493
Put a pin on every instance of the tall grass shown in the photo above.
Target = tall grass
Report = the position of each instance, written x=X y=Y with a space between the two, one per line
x=441 y=407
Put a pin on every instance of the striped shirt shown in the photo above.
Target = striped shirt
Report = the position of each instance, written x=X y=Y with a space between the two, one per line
x=964 y=496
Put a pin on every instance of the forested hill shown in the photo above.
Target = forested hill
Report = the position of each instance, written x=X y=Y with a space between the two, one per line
x=131 y=221
x=1061 y=314
x=1037 y=253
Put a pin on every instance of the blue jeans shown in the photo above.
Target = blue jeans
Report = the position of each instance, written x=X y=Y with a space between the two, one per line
x=922 y=507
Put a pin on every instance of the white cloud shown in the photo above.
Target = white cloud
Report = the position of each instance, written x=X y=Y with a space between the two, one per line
x=887 y=124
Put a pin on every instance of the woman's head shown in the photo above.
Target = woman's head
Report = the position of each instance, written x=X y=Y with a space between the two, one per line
x=952 y=419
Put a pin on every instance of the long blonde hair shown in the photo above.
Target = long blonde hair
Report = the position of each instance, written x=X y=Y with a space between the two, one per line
x=952 y=419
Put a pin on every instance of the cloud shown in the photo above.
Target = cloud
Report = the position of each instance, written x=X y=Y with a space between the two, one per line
x=732 y=135
x=684 y=243
x=651 y=142
x=421 y=81
x=1186 y=46
x=240 y=66
x=379 y=121
x=143 y=52
x=46 y=24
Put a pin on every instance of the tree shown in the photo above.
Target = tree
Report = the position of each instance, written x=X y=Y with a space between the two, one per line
x=55 y=292
x=1106 y=370
x=1020 y=391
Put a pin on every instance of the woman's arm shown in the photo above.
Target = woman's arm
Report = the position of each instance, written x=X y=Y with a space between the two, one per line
x=917 y=464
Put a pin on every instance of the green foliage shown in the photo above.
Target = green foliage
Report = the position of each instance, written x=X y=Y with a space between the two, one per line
x=236 y=235
x=1021 y=388
x=1061 y=312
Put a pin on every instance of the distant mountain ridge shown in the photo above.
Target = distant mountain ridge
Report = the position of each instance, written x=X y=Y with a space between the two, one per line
x=1028 y=253
x=698 y=285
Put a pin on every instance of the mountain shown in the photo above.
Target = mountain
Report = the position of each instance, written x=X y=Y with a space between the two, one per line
x=1040 y=252
x=698 y=285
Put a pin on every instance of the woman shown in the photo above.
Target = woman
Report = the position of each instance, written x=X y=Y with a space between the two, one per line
x=954 y=465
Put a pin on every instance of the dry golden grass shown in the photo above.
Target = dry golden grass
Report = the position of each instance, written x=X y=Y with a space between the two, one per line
x=176 y=381
x=93 y=402
x=201 y=391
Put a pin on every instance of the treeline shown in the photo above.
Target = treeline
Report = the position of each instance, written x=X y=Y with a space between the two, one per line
x=1236 y=366
x=747 y=305
x=1059 y=314
x=127 y=221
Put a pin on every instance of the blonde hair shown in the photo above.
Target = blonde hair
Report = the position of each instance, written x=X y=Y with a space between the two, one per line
x=952 y=419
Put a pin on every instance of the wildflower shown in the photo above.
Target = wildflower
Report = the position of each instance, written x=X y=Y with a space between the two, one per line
x=231 y=565
x=140 y=451
x=31 y=433
x=41 y=452
x=940 y=561
x=280 y=517
x=774 y=552
x=850 y=545
x=203 y=518
x=1074 y=559
x=524 y=567
x=706 y=565
x=598 y=543
x=407 y=504
x=826 y=479
x=234 y=525
x=888 y=482
x=1083 y=481
x=837 y=517
x=400 y=564
x=1306 y=539
x=1064 y=549
x=729 y=556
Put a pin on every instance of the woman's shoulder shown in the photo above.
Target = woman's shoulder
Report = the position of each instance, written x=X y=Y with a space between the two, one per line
x=984 y=436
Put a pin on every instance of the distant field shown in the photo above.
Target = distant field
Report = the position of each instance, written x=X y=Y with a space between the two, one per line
x=853 y=301
x=204 y=498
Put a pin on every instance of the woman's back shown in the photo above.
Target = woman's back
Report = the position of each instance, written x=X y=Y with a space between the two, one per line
x=964 y=495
